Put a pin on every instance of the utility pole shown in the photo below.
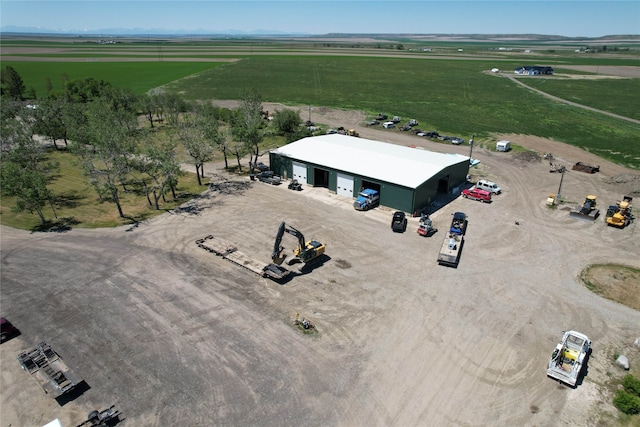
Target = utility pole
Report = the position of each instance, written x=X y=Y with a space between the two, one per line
x=471 y=147
x=560 y=187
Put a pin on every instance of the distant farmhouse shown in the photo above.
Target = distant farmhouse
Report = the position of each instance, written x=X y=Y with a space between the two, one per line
x=533 y=70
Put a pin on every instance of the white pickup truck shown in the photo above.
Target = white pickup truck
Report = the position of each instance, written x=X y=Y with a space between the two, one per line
x=568 y=358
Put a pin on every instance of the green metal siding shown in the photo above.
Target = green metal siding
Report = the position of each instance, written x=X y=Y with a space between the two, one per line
x=391 y=195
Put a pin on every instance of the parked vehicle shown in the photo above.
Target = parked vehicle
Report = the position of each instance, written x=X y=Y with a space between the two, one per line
x=388 y=125
x=381 y=117
x=396 y=119
x=620 y=215
x=456 y=140
x=476 y=194
x=586 y=210
x=373 y=123
x=367 y=199
x=306 y=251
x=453 y=241
x=432 y=134
x=489 y=186
x=269 y=177
x=425 y=227
x=230 y=252
x=569 y=357
x=294 y=185
x=458 y=223
x=261 y=167
x=399 y=222
x=503 y=145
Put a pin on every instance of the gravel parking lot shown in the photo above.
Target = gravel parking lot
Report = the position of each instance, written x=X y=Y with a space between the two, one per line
x=174 y=335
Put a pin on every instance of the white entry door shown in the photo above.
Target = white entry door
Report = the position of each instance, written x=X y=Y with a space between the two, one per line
x=345 y=185
x=300 y=172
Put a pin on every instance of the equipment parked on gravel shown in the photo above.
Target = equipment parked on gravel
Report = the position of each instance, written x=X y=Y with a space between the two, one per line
x=49 y=370
x=489 y=186
x=568 y=358
x=399 y=222
x=583 y=167
x=476 y=194
x=105 y=418
x=587 y=210
x=305 y=252
x=555 y=167
x=425 y=227
x=454 y=240
x=231 y=253
x=620 y=215
x=367 y=199
x=269 y=177
x=295 y=185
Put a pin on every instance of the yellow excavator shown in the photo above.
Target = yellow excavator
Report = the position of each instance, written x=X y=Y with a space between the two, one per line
x=620 y=215
x=304 y=253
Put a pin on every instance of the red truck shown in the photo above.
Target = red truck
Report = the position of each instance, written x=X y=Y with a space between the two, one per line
x=476 y=194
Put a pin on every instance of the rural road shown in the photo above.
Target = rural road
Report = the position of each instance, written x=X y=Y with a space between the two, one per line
x=575 y=104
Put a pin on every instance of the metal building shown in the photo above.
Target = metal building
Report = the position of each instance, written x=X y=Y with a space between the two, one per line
x=408 y=179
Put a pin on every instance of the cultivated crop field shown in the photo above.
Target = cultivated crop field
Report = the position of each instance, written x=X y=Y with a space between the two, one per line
x=445 y=90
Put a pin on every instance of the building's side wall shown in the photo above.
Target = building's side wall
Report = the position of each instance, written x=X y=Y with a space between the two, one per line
x=391 y=195
x=454 y=176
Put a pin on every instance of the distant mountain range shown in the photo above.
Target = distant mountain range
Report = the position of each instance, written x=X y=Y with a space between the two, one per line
x=141 y=32
x=147 y=32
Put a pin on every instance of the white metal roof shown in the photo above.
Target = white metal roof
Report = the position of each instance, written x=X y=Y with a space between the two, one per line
x=391 y=163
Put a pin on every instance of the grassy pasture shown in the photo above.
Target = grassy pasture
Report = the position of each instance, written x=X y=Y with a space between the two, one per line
x=139 y=76
x=612 y=95
x=450 y=96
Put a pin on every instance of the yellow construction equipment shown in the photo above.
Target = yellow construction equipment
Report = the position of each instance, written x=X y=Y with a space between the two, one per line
x=620 y=215
x=587 y=210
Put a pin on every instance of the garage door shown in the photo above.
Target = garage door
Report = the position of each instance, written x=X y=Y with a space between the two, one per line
x=300 y=172
x=345 y=185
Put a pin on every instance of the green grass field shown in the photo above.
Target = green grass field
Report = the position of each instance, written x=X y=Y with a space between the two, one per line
x=450 y=94
x=139 y=76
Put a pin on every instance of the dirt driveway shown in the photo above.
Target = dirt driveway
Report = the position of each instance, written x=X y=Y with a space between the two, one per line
x=174 y=335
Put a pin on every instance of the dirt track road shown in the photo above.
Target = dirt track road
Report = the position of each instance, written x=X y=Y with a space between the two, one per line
x=174 y=335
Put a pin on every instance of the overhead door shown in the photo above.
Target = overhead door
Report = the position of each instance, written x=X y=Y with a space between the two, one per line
x=300 y=172
x=344 y=185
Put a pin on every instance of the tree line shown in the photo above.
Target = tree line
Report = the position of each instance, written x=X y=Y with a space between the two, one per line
x=100 y=124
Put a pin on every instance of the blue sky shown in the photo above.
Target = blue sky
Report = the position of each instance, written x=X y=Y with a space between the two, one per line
x=573 y=18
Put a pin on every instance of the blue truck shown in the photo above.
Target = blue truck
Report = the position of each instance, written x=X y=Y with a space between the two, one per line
x=367 y=199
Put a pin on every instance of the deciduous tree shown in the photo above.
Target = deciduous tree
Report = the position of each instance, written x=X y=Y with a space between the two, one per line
x=12 y=84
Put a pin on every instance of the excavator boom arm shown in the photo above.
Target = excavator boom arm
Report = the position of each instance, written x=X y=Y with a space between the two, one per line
x=284 y=228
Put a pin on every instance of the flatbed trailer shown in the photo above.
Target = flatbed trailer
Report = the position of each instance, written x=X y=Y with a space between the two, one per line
x=49 y=370
x=451 y=248
x=230 y=252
